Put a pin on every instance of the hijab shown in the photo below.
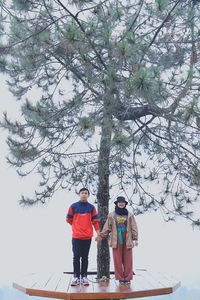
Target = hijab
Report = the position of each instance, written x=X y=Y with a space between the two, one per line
x=121 y=211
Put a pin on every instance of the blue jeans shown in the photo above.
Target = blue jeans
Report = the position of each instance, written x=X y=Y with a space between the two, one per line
x=80 y=250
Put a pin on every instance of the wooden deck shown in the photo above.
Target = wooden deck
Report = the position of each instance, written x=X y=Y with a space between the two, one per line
x=57 y=285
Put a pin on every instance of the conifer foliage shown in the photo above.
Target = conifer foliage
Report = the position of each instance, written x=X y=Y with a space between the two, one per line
x=109 y=95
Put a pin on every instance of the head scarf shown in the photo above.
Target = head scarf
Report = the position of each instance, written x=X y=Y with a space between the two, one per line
x=118 y=210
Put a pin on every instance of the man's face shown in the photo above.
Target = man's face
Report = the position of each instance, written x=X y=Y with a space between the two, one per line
x=83 y=196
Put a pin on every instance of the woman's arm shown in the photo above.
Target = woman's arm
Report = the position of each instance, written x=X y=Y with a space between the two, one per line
x=134 y=228
x=107 y=228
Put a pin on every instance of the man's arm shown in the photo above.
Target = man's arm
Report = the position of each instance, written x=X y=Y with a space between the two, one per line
x=69 y=217
x=95 y=221
x=98 y=232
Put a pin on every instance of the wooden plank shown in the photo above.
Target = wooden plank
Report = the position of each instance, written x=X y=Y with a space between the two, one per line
x=90 y=287
x=19 y=287
x=48 y=294
x=46 y=286
x=167 y=277
x=73 y=290
x=28 y=280
x=53 y=282
x=168 y=280
x=138 y=283
x=42 y=281
x=146 y=285
x=147 y=293
x=82 y=291
x=108 y=289
x=150 y=280
x=63 y=285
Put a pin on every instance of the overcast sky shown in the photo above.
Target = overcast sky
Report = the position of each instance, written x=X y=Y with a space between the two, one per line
x=38 y=239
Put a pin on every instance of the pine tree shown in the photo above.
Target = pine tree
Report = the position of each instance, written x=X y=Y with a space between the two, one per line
x=119 y=101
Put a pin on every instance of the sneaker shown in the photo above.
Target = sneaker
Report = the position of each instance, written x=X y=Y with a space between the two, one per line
x=127 y=282
x=121 y=282
x=84 y=281
x=75 y=282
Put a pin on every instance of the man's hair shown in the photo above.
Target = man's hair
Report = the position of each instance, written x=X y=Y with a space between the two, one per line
x=84 y=189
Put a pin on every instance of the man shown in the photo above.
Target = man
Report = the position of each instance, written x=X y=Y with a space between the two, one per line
x=82 y=215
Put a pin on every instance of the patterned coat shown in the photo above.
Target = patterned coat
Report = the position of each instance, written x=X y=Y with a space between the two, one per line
x=110 y=230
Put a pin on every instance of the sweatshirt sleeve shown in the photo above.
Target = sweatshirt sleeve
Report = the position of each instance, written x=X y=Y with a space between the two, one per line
x=95 y=219
x=107 y=228
x=69 y=217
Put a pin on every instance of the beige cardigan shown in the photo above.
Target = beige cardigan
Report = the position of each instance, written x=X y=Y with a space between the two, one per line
x=110 y=230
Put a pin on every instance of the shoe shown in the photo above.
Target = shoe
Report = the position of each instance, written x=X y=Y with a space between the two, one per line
x=121 y=282
x=127 y=282
x=75 y=282
x=84 y=281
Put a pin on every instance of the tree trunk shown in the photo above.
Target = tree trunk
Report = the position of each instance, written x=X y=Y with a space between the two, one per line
x=103 y=256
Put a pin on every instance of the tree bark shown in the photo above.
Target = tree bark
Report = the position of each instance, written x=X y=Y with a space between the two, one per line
x=103 y=256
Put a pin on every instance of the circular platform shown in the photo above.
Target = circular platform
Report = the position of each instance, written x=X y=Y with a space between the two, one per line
x=57 y=285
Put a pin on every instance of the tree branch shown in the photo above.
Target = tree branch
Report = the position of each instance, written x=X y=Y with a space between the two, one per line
x=123 y=113
x=158 y=30
x=83 y=30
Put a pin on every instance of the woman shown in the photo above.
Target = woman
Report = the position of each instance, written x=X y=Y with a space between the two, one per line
x=122 y=230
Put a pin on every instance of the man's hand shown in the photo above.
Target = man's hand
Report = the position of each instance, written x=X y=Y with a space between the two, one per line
x=98 y=239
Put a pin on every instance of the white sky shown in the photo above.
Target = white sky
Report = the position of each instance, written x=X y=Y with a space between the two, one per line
x=38 y=239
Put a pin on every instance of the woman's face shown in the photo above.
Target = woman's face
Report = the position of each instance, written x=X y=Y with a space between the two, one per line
x=121 y=204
